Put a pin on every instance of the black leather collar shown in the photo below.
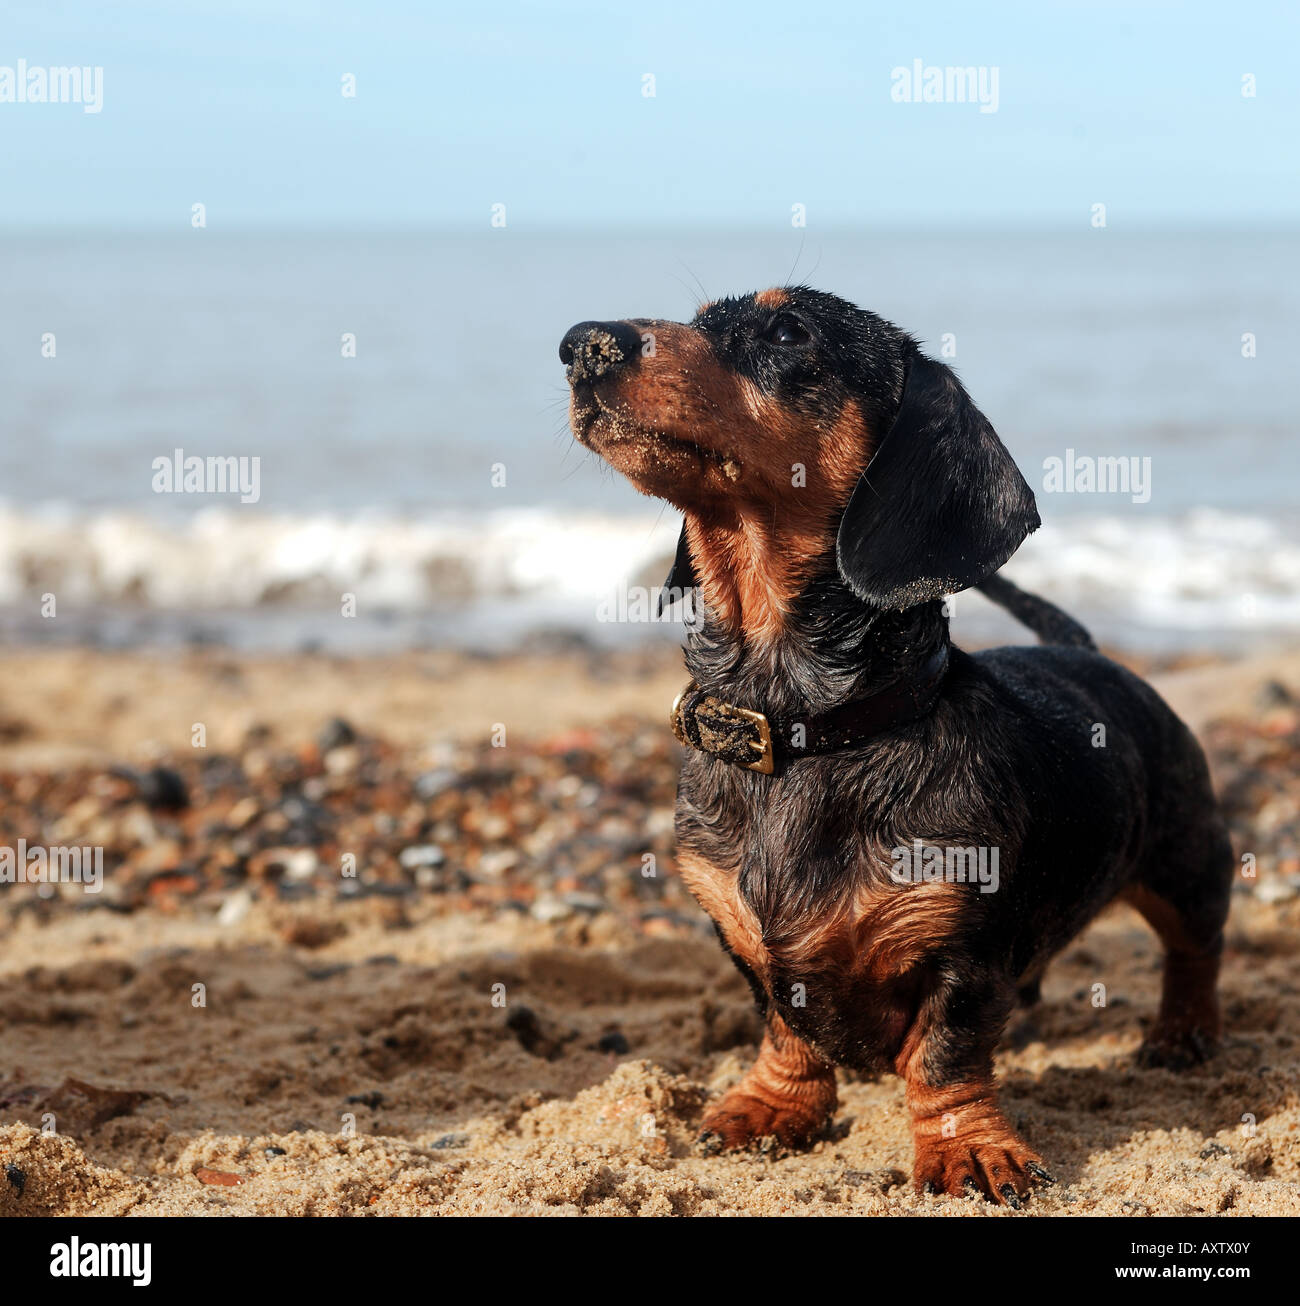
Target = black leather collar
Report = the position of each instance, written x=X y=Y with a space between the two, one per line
x=758 y=742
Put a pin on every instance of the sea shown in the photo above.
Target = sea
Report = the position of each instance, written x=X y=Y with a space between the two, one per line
x=417 y=485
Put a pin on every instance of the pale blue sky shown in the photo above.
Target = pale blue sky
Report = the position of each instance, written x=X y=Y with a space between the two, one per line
x=759 y=105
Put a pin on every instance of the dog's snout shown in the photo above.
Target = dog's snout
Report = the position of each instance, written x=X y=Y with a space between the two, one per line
x=591 y=349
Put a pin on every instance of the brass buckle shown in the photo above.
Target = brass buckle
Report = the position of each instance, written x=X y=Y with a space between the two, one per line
x=764 y=764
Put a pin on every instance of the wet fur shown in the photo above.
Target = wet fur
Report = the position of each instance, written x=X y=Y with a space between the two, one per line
x=849 y=967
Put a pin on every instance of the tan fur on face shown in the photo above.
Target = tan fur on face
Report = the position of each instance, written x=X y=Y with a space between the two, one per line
x=753 y=561
x=682 y=427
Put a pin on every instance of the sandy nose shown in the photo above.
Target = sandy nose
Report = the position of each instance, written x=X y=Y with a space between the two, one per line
x=593 y=348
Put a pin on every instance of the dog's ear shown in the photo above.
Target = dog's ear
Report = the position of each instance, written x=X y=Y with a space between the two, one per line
x=681 y=576
x=941 y=504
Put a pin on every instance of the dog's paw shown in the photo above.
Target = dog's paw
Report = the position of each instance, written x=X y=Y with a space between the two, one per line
x=1175 y=1049
x=1004 y=1172
x=743 y=1120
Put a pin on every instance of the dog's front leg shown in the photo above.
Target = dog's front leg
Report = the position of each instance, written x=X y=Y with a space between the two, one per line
x=788 y=1094
x=963 y=1142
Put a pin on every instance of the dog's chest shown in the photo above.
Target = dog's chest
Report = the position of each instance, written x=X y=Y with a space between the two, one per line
x=811 y=915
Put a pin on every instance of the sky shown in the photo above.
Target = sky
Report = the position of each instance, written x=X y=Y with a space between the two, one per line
x=757 y=107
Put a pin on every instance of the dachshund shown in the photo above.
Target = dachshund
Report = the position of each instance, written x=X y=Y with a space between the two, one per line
x=892 y=836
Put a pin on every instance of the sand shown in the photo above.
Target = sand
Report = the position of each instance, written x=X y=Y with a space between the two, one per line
x=490 y=1051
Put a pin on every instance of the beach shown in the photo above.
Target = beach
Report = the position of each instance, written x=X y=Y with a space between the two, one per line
x=404 y=936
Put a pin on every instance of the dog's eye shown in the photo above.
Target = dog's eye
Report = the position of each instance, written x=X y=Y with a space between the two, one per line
x=786 y=331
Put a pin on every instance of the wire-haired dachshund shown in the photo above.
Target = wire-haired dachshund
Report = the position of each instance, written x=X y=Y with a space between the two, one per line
x=892 y=837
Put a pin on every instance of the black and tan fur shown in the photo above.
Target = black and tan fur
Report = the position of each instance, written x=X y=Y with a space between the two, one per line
x=836 y=484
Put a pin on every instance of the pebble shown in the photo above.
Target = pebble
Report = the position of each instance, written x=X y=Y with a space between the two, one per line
x=163 y=788
x=1272 y=891
x=551 y=828
x=342 y=761
x=373 y=1099
x=450 y=1141
x=243 y=813
x=428 y=854
x=549 y=909
x=222 y=1178
x=494 y=865
x=336 y=733
x=586 y=902
x=433 y=783
x=235 y=908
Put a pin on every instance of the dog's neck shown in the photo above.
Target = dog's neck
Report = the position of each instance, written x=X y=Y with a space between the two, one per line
x=750 y=571
x=830 y=648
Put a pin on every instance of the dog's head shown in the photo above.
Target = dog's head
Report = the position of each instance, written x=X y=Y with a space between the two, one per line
x=799 y=433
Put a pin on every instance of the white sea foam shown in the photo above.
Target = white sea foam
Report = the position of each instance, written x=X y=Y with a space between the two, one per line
x=1203 y=570
x=1203 y=573
x=236 y=558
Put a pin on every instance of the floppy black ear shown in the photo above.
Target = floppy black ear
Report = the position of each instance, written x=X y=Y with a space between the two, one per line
x=681 y=576
x=941 y=504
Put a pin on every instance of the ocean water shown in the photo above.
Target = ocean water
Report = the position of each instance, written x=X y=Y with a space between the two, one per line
x=432 y=475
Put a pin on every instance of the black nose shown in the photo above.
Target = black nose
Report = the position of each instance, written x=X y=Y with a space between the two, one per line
x=592 y=348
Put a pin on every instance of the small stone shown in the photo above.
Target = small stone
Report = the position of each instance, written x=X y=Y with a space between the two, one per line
x=373 y=1099
x=235 y=908
x=244 y=812
x=311 y=933
x=541 y=1038
x=493 y=865
x=274 y=1151
x=342 y=761
x=432 y=783
x=1273 y=693
x=1271 y=891
x=336 y=733
x=301 y=864
x=319 y=973
x=223 y=1178
x=296 y=864
x=588 y=902
x=424 y=854
x=548 y=909
x=163 y=789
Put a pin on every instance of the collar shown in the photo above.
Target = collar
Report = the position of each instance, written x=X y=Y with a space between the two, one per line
x=756 y=741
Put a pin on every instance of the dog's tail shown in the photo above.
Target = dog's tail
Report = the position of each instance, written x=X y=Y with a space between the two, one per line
x=1046 y=620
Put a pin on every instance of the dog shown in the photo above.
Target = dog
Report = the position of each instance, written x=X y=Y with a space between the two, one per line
x=845 y=761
